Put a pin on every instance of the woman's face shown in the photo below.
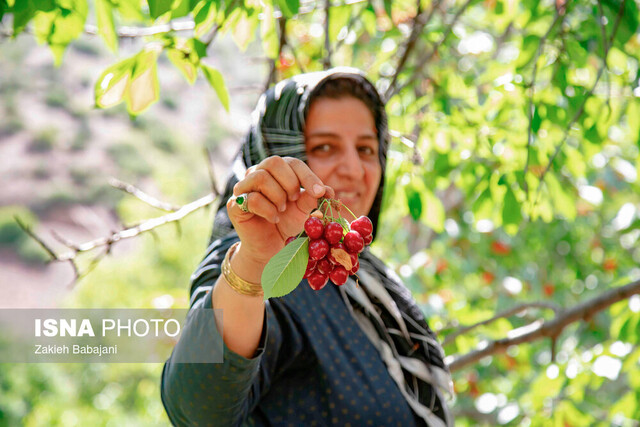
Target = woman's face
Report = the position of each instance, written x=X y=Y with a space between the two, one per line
x=342 y=149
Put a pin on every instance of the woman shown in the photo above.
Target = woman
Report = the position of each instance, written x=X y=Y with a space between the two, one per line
x=359 y=355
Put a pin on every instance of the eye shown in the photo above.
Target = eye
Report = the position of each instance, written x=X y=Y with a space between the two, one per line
x=321 y=148
x=366 y=150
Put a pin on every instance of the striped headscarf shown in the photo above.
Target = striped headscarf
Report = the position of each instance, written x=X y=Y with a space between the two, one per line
x=382 y=305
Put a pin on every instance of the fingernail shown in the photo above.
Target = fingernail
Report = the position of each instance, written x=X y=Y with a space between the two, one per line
x=317 y=188
x=295 y=197
x=283 y=208
x=276 y=219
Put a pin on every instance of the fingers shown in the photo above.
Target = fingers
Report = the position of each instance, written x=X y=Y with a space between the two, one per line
x=279 y=179
x=306 y=178
x=257 y=204
x=260 y=180
x=307 y=202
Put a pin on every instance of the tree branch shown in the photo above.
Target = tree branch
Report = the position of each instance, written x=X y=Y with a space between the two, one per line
x=507 y=313
x=418 y=68
x=142 y=196
x=542 y=329
x=282 y=41
x=419 y=22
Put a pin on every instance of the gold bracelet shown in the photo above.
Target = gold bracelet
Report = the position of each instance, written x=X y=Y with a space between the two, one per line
x=238 y=284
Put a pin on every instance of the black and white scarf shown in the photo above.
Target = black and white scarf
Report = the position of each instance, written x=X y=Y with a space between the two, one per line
x=382 y=305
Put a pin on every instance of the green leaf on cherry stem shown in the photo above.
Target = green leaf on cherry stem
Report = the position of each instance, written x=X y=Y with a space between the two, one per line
x=285 y=270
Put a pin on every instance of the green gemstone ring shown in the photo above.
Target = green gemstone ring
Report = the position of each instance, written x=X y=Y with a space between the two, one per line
x=243 y=201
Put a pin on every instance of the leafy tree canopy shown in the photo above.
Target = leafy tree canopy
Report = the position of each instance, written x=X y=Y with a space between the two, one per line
x=513 y=174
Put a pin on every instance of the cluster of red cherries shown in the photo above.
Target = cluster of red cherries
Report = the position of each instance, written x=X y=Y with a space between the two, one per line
x=333 y=249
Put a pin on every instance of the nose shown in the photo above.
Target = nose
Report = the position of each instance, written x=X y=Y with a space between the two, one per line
x=351 y=165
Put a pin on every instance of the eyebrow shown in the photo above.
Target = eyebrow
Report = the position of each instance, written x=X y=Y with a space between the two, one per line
x=321 y=134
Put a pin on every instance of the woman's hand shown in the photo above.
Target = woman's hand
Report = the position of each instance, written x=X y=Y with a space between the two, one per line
x=278 y=207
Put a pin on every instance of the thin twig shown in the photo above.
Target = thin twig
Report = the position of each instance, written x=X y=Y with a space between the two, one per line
x=507 y=313
x=142 y=196
x=531 y=104
x=31 y=234
x=212 y=176
x=127 y=233
x=419 y=22
x=282 y=41
x=352 y=20
x=578 y=113
x=326 y=61
x=605 y=48
x=542 y=329
x=419 y=67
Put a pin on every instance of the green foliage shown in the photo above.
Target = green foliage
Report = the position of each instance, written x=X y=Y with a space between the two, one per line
x=522 y=184
x=285 y=270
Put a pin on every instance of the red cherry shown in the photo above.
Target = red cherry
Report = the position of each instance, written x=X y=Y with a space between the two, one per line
x=362 y=225
x=368 y=239
x=354 y=242
x=311 y=267
x=289 y=240
x=318 y=249
x=312 y=263
x=354 y=258
x=339 y=275
x=324 y=266
x=309 y=271
x=317 y=280
x=333 y=233
x=355 y=268
x=336 y=246
x=313 y=227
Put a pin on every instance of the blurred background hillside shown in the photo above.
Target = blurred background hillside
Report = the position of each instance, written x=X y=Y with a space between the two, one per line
x=57 y=152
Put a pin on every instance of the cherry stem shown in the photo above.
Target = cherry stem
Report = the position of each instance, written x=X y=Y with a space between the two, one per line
x=349 y=210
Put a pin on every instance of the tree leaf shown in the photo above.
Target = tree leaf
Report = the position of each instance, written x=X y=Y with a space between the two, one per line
x=528 y=50
x=143 y=89
x=288 y=7
x=106 y=25
x=186 y=55
x=414 y=202
x=217 y=82
x=112 y=85
x=285 y=270
x=60 y=26
x=434 y=214
x=205 y=16
x=159 y=7
x=511 y=213
x=186 y=67
x=245 y=30
x=535 y=120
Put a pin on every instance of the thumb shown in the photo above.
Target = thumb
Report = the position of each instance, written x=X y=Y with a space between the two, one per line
x=307 y=202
